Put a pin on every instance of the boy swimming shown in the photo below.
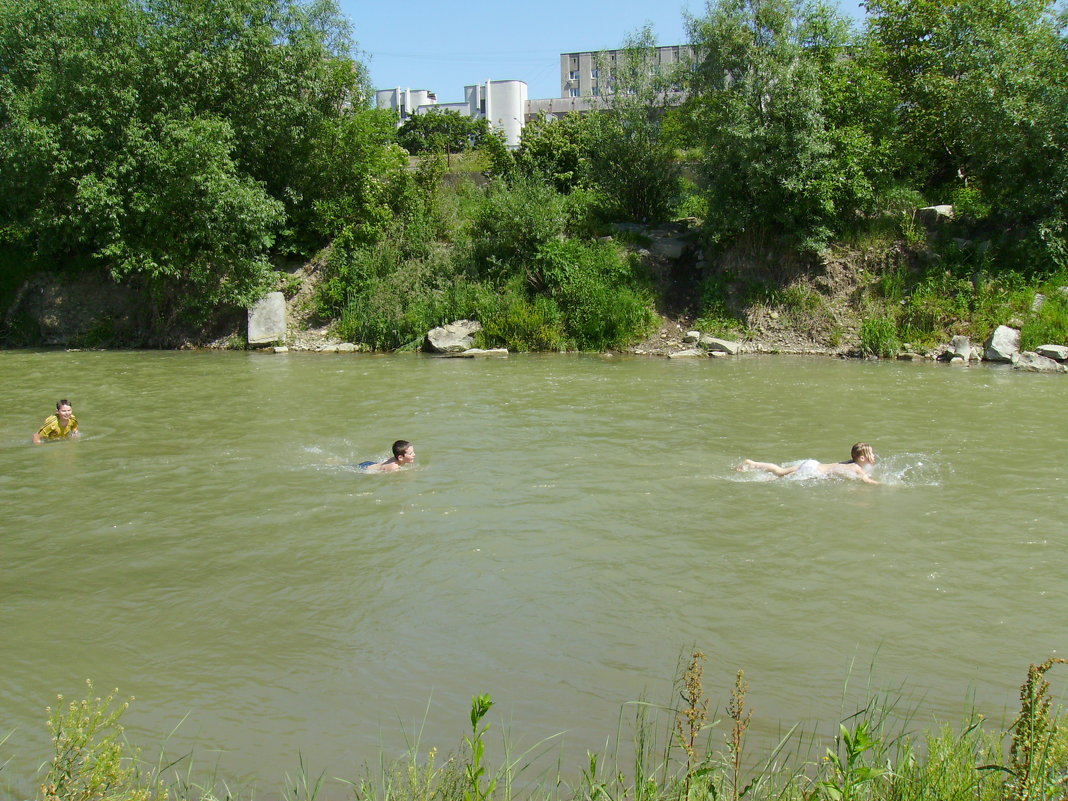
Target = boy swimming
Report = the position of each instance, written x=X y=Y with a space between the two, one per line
x=403 y=455
x=862 y=460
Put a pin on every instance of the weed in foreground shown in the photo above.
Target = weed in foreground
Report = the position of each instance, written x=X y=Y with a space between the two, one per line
x=91 y=762
x=480 y=705
x=867 y=761
x=850 y=770
x=1039 y=752
x=690 y=721
x=740 y=717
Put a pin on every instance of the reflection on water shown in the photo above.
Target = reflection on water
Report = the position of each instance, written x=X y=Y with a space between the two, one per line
x=573 y=525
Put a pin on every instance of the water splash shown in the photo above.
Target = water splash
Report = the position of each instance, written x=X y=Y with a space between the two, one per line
x=910 y=470
x=903 y=469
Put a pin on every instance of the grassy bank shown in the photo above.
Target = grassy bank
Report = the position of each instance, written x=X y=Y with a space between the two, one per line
x=545 y=270
x=676 y=753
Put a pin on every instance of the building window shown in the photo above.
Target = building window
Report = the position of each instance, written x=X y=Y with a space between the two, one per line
x=573 y=75
x=595 y=73
x=596 y=91
x=574 y=92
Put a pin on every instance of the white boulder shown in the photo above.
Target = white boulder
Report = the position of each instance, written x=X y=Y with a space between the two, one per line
x=1002 y=344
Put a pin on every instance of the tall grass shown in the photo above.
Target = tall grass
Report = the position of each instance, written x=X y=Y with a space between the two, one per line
x=1048 y=323
x=956 y=292
x=673 y=753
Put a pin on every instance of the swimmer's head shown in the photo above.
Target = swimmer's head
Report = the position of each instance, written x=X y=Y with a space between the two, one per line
x=403 y=452
x=63 y=411
x=862 y=454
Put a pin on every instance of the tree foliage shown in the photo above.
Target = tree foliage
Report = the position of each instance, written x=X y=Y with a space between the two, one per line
x=983 y=100
x=777 y=156
x=443 y=131
x=181 y=140
x=629 y=159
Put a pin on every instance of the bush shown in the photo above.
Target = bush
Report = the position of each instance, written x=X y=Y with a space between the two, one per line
x=91 y=762
x=531 y=288
x=393 y=309
x=596 y=287
x=513 y=224
x=552 y=150
x=516 y=321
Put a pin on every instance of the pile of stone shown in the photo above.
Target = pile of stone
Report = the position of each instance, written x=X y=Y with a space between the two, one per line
x=1003 y=345
x=705 y=345
x=457 y=339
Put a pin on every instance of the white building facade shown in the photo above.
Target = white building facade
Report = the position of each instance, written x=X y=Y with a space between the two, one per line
x=502 y=103
x=505 y=103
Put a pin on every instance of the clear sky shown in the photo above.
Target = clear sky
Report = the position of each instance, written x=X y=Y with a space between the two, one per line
x=445 y=46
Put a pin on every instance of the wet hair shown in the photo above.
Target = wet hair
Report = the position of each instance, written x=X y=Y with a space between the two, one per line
x=400 y=446
x=862 y=449
x=63 y=402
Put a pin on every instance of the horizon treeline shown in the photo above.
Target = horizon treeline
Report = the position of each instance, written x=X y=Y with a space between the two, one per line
x=189 y=148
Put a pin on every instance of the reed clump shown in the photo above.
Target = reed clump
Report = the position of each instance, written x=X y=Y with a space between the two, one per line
x=672 y=753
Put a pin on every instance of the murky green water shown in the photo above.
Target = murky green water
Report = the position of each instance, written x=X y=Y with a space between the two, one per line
x=573 y=525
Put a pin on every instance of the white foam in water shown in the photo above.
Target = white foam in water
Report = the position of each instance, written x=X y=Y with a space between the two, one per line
x=909 y=469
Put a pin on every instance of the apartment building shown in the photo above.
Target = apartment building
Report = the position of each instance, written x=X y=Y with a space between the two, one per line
x=588 y=73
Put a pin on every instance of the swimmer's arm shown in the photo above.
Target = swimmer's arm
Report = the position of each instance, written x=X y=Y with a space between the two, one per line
x=863 y=476
x=42 y=433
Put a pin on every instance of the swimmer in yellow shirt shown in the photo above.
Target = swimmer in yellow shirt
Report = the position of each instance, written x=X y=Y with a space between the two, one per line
x=61 y=425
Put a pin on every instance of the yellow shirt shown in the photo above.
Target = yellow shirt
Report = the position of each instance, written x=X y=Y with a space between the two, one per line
x=53 y=430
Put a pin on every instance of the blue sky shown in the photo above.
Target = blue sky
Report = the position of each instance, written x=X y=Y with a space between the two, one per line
x=444 y=46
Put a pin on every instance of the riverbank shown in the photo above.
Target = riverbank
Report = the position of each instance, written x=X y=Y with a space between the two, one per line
x=882 y=297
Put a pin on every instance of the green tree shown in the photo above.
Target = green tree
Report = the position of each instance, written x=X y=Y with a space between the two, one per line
x=983 y=88
x=442 y=131
x=629 y=159
x=278 y=71
x=777 y=158
x=179 y=141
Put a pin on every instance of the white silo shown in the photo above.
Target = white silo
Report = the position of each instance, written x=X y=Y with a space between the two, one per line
x=506 y=108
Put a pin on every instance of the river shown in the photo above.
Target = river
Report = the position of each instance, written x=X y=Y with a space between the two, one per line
x=572 y=528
